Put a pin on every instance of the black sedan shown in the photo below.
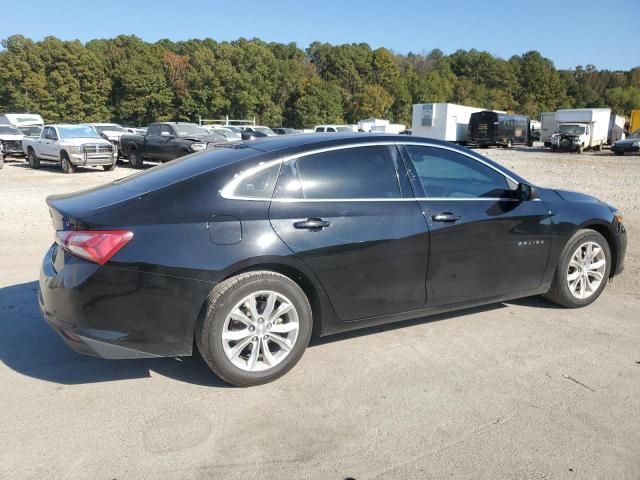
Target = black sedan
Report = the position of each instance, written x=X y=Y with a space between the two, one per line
x=631 y=144
x=249 y=249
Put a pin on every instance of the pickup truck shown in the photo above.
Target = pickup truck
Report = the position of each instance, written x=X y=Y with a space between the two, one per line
x=166 y=141
x=70 y=146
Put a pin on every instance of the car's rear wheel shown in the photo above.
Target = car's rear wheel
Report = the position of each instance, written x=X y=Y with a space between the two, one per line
x=110 y=168
x=34 y=161
x=255 y=328
x=583 y=270
x=67 y=166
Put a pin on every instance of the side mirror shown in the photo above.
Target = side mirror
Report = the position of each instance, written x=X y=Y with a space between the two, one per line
x=525 y=192
x=165 y=134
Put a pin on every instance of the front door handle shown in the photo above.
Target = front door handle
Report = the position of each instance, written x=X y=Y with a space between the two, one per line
x=314 y=224
x=446 y=217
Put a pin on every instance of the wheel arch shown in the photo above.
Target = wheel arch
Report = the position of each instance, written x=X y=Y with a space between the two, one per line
x=304 y=280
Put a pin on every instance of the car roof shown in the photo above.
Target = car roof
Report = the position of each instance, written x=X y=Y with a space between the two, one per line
x=304 y=140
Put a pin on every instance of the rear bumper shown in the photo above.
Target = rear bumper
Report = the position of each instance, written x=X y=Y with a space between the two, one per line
x=116 y=313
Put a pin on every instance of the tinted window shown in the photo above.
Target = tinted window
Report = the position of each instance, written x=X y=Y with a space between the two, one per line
x=361 y=172
x=448 y=174
x=259 y=185
x=153 y=130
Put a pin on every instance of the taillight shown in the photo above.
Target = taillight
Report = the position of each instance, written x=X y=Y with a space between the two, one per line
x=97 y=246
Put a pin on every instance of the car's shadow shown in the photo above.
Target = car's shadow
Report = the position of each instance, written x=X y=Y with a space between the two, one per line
x=30 y=347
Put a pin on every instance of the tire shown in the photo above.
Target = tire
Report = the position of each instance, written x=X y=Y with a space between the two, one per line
x=216 y=320
x=509 y=144
x=34 y=161
x=110 y=168
x=560 y=291
x=67 y=166
x=1 y=161
x=579 y=149
x=134 y=159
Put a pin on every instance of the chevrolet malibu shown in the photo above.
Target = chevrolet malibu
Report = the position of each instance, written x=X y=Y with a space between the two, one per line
x=245 y=251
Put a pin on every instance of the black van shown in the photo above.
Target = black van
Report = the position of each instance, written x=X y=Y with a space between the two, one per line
x=489 y=128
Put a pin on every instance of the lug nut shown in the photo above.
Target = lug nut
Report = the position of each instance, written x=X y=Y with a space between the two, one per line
x=260 y=320
x=255 y=339
x=252 y=328
x=264 y=338
x=269 y=325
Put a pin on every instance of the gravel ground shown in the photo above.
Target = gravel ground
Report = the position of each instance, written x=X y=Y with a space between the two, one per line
x=515 y=390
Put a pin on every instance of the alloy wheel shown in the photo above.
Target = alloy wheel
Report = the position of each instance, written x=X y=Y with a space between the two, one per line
x=586 y=270
x=260 y=331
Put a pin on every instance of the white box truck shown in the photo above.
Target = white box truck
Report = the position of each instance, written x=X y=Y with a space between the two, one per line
x=443 y=121
x=581 y=129
x=548 y=127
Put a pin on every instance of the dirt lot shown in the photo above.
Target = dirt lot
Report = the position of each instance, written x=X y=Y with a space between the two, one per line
x=517 y=390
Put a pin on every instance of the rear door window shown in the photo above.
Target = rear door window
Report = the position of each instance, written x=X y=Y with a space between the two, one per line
x=444 y=173
x=349 y=173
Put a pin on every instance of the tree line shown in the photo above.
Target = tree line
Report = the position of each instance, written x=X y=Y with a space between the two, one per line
x=133 y=82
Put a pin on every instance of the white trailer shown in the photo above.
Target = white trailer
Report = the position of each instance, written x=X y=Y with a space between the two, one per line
x=548 y=127
x=616 y=128
x=27 y=123
x=443 y=121
x=389 y=128
x=366 y=124
x=581 y=128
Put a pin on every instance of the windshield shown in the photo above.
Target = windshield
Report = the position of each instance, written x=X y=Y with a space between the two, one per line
x=78 y=131
x=187 y=129
x=571 y=129
x=9 y=130
x=109 y=128
x=226 y=133
x=265 y=130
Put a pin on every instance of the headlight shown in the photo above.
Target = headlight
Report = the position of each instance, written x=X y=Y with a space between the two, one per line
x=73 y=149
x=636 y=144
x=197 y=147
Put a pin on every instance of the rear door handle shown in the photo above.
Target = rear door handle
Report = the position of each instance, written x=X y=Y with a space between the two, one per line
x=446 y=217
x=312 y=224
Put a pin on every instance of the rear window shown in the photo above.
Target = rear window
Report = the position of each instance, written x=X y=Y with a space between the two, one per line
x=184 y=168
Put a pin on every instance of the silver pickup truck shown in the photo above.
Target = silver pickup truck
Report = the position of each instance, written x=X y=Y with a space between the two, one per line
x=70 y=146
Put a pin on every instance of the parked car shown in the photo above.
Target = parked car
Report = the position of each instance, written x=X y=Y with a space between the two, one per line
x=166 y=141
x=71 y=146
x=11 y=140
x=631 y=144
x=30 y=124
x=332 y=128
x=109 y=131
x=227 y=133
x=249 y=249
x=265 y=131
x=284 y=131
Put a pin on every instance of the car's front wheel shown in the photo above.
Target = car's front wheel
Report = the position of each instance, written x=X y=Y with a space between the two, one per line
x=255 y=328
x=583 y=270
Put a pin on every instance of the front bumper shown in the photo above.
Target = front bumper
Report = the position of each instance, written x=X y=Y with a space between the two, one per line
x=81 y=159
x=111 y=312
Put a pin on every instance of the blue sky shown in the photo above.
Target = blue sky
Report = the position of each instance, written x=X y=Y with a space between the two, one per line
x=606 y=34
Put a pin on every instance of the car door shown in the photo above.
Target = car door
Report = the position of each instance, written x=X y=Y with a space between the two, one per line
x=483 y=241
x=46 y=144
x=153 y=142
x=349 y=214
